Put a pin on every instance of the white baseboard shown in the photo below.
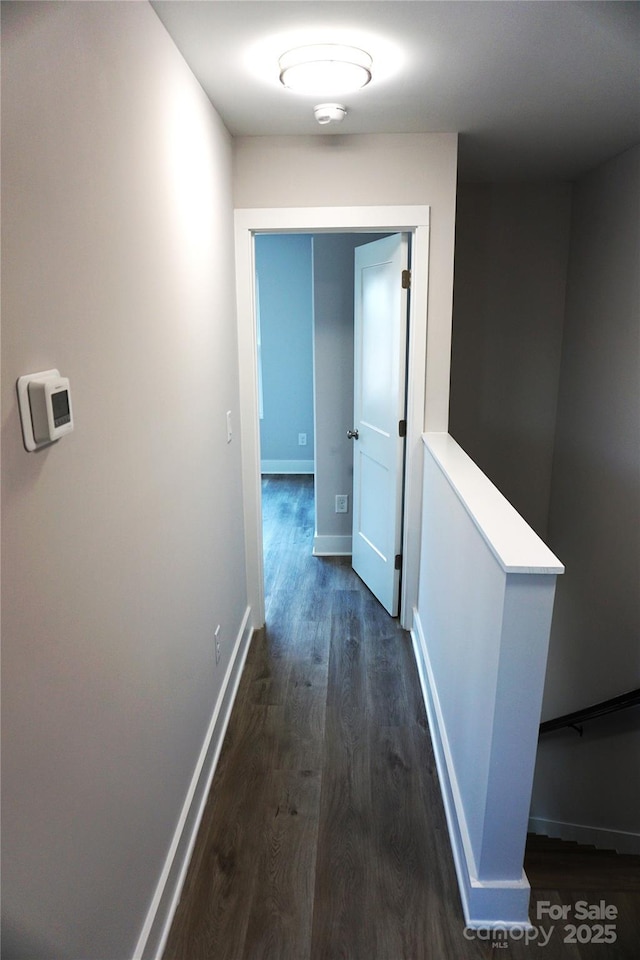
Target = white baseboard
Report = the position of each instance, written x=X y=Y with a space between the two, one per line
x=155 y=931
x=287 y=466
x=331 y=546
x=485 y=903
x=603 y=839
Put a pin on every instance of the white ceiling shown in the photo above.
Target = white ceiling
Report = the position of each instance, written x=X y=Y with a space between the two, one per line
x=536 y=88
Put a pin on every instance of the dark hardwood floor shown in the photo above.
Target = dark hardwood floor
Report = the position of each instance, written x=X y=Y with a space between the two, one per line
x=324 y=835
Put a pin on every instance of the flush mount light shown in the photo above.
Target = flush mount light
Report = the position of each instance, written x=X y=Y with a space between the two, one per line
x=325 y=68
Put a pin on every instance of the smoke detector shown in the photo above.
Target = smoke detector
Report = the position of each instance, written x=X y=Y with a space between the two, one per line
x=329 y=113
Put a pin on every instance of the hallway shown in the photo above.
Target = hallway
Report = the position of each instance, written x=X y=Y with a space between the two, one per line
x=324 y=835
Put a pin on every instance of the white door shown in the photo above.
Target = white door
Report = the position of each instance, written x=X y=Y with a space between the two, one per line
x=379 y=407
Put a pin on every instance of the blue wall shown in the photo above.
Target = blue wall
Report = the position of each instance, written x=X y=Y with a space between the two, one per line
x=285 y=290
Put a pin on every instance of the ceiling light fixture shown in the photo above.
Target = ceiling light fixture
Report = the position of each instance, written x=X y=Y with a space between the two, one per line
x=327 y=68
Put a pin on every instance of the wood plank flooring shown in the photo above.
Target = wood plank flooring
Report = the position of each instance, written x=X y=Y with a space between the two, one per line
x=324 y=835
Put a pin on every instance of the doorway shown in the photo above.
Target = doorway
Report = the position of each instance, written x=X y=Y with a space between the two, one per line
x=305 y=344
x=249 y=223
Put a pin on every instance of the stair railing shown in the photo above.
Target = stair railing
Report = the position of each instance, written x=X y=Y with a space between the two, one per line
x=601 y=709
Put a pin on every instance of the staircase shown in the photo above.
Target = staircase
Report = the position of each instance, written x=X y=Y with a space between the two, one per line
x=553 y=864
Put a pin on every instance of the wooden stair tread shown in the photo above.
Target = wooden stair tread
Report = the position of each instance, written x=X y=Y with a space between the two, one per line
x=552 y=863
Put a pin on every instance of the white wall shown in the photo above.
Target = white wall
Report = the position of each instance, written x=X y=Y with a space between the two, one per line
x=595 y=511
x=481 y=633
x=123 y=543
x=368 y=170
x=512 y=245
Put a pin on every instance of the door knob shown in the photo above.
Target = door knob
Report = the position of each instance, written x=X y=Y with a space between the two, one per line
x=353 y=434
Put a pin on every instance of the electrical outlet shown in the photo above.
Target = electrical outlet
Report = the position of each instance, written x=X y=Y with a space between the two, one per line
x=342 y=503
x=229 y=427
x=302 y=439
x=218 y=641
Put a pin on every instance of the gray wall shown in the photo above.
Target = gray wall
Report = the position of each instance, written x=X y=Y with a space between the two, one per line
x=594 y=519
x=545 y=397
x=333 y=347
x=123 y=543
x=333 y=279
x=283 y=266
x=365 y=170
x=512 y=244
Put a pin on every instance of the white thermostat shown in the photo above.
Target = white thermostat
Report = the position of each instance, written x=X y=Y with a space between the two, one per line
x=45 y=408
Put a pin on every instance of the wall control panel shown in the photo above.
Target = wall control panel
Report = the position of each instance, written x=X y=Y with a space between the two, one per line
x=45 y=408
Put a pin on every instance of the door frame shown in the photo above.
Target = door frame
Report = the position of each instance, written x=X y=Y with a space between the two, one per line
x=413 y=220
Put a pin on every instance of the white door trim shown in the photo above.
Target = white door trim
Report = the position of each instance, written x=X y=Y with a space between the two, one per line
x=404 y=219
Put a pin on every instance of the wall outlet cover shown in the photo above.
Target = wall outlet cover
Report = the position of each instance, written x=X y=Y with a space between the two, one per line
x=342 y=503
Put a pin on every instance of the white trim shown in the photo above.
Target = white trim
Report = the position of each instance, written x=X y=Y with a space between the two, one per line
x=420 y=351
x=329 y=219
x=155 y=931
x=619 y=840
x=516 y=547
x=287 y=466
x=485 y=903
x=401 y=219
x=325 y=545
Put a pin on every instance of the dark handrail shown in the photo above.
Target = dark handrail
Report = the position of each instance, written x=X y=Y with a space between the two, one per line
x=630 y=699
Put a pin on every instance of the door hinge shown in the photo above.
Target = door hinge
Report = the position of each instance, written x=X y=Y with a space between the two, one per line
x=398 y=563
x=402 y=428
x=406 y=279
